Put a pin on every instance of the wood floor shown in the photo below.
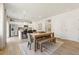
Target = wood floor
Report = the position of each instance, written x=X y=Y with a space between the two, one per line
x=67 y=48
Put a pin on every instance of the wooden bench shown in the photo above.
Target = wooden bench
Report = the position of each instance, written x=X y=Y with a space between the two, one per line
x=46 y=37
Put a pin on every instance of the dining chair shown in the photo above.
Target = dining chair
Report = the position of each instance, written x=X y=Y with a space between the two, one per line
x=30 y=40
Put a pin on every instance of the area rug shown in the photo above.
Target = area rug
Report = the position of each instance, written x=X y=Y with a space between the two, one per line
x=49 y=50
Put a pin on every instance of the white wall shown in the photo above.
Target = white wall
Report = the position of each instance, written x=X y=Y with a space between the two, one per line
x=2 y=27
x=7 y=27
x=66 y=25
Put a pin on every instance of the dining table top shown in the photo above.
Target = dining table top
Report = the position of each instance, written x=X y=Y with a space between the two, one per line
x=36 y=34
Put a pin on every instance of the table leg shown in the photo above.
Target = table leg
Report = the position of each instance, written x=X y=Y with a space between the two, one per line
x=35 y=46
x=54 y=40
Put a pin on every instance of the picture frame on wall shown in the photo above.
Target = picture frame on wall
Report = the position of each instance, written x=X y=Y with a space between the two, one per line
x=39 y=26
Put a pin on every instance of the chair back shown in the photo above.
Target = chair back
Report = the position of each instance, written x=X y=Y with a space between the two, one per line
x=29 y=37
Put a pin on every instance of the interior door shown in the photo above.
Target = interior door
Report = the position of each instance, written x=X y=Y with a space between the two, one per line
x=48 y=26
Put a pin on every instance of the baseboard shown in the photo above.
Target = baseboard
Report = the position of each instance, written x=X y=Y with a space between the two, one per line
x=68 y=39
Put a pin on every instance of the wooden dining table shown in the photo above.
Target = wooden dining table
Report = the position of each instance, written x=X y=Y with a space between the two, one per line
x=34 y=35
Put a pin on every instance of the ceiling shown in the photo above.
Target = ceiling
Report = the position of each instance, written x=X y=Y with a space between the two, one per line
x=37 y=11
